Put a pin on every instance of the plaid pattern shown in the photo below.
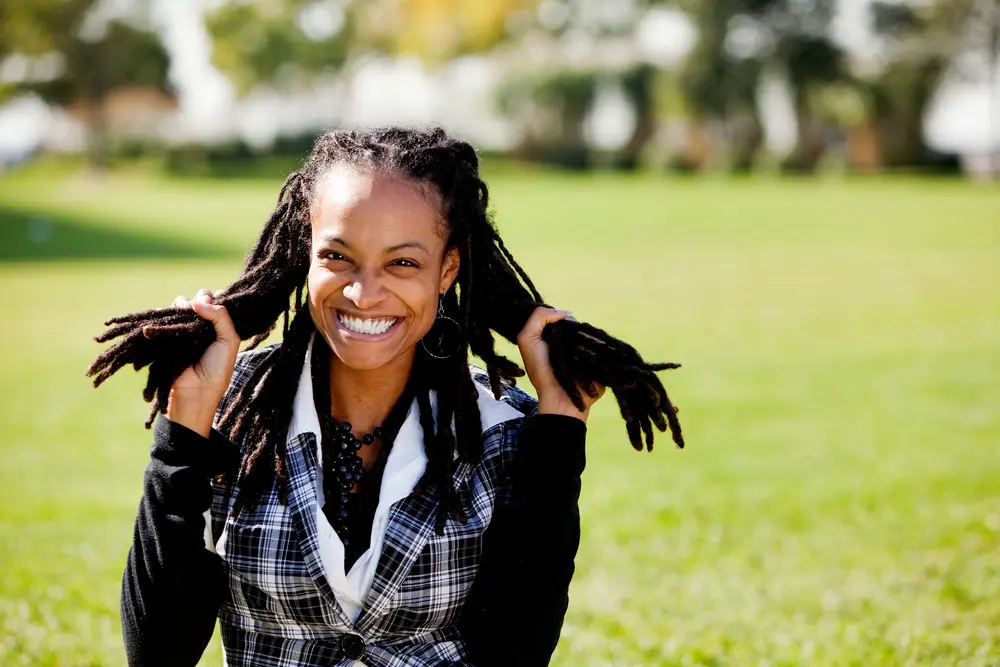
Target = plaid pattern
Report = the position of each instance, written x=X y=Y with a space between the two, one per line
x=281 y=612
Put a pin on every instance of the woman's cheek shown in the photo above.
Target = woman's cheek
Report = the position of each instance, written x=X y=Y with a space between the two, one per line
x=322 y=283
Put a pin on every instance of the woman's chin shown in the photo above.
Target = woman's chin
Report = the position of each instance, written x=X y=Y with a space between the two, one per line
x=369 y=358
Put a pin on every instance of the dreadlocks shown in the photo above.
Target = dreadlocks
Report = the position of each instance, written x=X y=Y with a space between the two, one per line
x=491 y=294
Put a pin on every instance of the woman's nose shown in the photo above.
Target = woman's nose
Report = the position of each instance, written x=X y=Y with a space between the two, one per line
x=365 y=291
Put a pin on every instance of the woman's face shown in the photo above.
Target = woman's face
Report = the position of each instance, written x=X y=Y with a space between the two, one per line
x=378 y=265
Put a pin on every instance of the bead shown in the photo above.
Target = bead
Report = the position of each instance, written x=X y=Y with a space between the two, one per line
x=346 y=427
x=378 y=432
x=368 y=439
x=356 y=444
x=343 y=445
x=342 y=468
x=344 y=513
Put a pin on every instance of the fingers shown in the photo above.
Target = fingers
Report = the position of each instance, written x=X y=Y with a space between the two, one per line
x=204 y=306
x=539 y=319
x=225 y=332
x=203 y=295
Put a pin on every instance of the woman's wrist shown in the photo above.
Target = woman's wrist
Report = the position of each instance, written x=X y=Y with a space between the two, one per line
x=548 y=406
x=194 y=412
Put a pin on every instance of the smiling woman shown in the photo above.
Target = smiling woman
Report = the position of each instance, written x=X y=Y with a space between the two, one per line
x=358 y=493
x=381 y=267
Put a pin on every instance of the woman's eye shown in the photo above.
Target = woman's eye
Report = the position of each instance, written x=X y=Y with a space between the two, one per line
x=332 y=255
x=405 y=263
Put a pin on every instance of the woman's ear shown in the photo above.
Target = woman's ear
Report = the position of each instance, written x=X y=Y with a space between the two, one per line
x=449 y=269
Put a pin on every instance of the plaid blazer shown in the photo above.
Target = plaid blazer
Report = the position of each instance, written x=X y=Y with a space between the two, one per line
x=280 y=610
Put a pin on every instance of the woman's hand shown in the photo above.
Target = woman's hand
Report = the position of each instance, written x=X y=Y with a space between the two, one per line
x=196 y=393
x=552 y=398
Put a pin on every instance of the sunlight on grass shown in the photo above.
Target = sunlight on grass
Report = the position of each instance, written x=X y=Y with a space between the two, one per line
x=838 y=502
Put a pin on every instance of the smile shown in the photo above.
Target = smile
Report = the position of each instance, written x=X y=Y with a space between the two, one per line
x=367 y=327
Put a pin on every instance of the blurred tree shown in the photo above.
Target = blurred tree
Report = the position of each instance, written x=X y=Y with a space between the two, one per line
x=435 y=30
x=282 y=43
x=68 y=54
x=721 y=83
x=590 y=51
x=288 y=42
x=639 y=83
x=920 y=43
x=739 y=40
x=812 y=63
x=550 y=108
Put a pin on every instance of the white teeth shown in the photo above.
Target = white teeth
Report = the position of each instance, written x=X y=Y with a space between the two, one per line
x=369 y=327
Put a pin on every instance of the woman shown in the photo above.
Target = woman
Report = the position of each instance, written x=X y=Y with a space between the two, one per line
x=386 y=505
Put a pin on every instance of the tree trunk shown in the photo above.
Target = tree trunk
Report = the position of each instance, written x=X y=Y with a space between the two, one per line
x=810 y=144
x=95 y=79
x=696 y=149
x=901 y=138
x=638 y=86
x=863 y=148
x=746 y=136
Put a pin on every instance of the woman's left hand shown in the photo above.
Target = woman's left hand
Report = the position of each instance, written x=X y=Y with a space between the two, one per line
x=552 y=398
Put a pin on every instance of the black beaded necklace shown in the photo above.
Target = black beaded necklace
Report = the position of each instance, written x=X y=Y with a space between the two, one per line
x=343 y=472
x=343 y=468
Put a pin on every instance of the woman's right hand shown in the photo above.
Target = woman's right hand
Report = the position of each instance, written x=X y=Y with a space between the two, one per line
x=196 y=393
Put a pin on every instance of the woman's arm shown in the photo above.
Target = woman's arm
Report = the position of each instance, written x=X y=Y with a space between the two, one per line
x=173 y=585
x=515 y=610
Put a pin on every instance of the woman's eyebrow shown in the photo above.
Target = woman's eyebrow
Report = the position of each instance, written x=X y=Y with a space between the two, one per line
x=326 y=238
x=409 y=244
x=393 y=248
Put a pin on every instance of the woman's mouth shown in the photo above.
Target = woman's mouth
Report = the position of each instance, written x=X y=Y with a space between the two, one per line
x=372 y=328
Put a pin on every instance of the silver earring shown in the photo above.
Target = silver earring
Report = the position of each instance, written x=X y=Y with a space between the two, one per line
x=446 y=335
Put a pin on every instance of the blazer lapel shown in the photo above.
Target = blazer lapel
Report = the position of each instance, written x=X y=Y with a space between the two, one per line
x=411 y=523
x=411 y=519
x=301 y=459
x=301 y=462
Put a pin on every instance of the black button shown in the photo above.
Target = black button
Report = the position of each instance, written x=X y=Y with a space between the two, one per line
x=352 y=646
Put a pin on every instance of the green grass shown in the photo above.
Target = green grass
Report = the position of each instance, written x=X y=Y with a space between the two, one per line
x=839 y=499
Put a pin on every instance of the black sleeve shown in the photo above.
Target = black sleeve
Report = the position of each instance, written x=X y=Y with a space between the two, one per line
x=515 y=610
x=173 y=585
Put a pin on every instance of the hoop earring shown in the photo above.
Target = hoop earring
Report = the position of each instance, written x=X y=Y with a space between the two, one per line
x=446 y=335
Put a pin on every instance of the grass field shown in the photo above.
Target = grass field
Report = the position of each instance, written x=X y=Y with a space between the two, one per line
x=839 y=499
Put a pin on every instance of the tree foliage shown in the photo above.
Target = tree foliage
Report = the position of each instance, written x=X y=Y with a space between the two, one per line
x=70 y=55
x=741 y=40
x=435 y=30
x=279 y=43
x=920 y=43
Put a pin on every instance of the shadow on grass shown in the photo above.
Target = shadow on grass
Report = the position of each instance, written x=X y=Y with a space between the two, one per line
x=27 y=236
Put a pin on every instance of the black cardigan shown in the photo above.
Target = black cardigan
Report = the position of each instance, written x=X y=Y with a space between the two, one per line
x=173 y=586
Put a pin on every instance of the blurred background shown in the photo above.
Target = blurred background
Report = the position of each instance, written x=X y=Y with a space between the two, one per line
x=795 y=199
x=796 y=85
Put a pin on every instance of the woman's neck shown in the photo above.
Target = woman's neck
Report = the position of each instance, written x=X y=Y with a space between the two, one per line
x=366 y=397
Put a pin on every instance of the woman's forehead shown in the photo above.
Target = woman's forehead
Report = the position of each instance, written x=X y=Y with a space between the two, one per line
x=374 y=204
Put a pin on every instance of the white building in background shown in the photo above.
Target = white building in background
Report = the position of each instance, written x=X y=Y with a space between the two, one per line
x=964 y=118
